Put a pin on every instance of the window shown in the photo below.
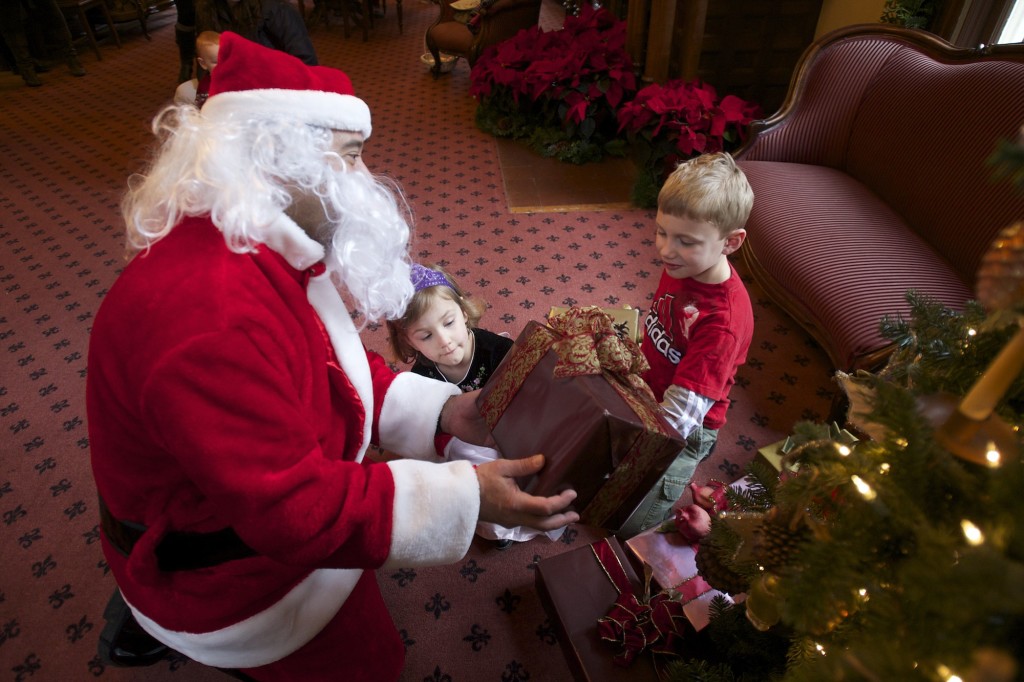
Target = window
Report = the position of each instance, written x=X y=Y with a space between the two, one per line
x=971 y=23
x=1013 y=29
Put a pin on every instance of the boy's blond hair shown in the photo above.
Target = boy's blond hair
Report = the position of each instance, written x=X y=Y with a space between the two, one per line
x=710 y=188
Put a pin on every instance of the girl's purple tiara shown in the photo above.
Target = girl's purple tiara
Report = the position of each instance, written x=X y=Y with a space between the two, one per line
x=423 y=278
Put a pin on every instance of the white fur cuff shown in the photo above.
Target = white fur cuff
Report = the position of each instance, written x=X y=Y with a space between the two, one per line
x=435 y=513
x=408 y=418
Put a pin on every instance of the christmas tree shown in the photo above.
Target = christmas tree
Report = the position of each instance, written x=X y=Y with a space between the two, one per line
x=893 y=550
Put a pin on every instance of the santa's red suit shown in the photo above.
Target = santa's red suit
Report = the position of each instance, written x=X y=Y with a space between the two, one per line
x=231 y=390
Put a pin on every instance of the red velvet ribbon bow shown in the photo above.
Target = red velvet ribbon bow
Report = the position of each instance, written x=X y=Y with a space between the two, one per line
x=632 y=624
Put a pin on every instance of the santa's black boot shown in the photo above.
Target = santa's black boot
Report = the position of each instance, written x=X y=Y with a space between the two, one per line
x=123 y=642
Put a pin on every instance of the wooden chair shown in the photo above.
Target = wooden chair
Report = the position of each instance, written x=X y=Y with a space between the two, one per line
x=363 y=19
x=80 y=7
x=498 y=21
x=126 y=11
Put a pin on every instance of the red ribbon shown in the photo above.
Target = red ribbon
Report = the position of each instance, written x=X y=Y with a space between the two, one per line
x=631 y=623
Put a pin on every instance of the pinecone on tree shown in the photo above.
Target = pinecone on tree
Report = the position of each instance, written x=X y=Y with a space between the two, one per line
x=716 y=572
x=775 y=540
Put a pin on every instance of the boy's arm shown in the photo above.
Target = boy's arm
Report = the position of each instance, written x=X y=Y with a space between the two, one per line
x=685 y=410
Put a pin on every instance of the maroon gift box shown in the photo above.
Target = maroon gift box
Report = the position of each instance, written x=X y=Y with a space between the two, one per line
x=602 y=433
x=576 y=592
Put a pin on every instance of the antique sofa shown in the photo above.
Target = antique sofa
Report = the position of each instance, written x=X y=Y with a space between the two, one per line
x=872 y=180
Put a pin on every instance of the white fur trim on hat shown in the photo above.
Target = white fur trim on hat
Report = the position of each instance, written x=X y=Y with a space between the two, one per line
x=314 y=107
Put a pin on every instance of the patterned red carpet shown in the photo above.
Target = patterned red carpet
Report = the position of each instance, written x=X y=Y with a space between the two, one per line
x=66 y=150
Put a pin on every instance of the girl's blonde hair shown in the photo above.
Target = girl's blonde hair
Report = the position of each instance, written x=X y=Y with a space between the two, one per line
x=398 y=338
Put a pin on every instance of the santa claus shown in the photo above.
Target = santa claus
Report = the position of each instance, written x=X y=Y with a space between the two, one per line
x=231 y=401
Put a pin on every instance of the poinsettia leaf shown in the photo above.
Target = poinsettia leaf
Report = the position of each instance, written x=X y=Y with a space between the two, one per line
x=587 y=127
x=616 y=147
x=733 y=108
x=717 y=122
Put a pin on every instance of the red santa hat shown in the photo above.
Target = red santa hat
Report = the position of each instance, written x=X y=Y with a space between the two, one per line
x=252 y=81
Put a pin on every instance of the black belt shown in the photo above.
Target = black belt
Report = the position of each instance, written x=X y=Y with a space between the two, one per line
x=177 y=550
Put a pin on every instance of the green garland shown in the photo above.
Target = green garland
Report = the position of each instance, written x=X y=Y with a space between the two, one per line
x=940 y=350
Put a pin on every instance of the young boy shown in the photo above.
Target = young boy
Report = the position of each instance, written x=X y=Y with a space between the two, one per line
x=196 y=91
x=699 y=327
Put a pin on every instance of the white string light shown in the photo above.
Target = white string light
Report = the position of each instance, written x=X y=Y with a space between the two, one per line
x=992 y=455
x=863 y=488
x=972 y=533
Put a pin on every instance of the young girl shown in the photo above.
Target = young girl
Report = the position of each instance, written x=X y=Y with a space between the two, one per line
x=438 y=334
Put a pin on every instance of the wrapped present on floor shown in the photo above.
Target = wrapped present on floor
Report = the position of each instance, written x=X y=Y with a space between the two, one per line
x=672 y=561
x=669 y=554
x=580 y=589
x=774 y=455
x=573 y=393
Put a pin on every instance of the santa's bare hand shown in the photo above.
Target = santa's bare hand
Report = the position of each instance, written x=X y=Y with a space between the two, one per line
x=502 y=502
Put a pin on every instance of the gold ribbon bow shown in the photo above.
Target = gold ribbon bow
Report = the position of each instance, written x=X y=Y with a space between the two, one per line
x=589 y=345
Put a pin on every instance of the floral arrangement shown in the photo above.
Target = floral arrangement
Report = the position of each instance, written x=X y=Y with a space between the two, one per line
x=669 y=123
x=560 y=89
x=572 y=94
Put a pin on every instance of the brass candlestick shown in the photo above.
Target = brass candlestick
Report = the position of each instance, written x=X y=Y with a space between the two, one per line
x=971 y=430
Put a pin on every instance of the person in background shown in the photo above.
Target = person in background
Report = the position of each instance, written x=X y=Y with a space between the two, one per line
x=440 y=334
x=185 y=37
x=14 y=15
x=196 y=90
x=272 y=23
x=699 y=327
x=231 y=401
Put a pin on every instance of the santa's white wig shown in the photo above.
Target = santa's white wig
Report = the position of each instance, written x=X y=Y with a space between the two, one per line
x=237 y=159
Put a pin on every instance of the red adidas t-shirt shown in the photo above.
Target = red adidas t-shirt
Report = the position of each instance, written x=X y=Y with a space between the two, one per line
x=696 y=336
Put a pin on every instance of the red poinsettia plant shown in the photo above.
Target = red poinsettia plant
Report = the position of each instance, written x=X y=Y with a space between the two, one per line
x=573 y=94
x=560 y=88
x=678 y=120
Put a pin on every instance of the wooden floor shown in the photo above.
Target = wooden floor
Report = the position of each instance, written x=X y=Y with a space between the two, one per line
x=534 y=184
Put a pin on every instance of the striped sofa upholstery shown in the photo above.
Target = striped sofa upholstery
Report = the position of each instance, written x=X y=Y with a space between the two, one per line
x=871 y=180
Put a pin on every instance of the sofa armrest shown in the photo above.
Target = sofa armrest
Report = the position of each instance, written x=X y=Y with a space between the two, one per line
x=814 y=122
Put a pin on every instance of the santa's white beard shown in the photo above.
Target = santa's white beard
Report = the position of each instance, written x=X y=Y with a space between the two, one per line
x=367 y=241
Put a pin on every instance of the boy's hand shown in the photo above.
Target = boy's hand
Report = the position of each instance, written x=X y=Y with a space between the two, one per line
x=461 y=418
x=502 y=502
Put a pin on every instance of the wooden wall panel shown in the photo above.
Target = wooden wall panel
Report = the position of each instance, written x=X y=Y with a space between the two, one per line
x=742 y=47
x=750 y=47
